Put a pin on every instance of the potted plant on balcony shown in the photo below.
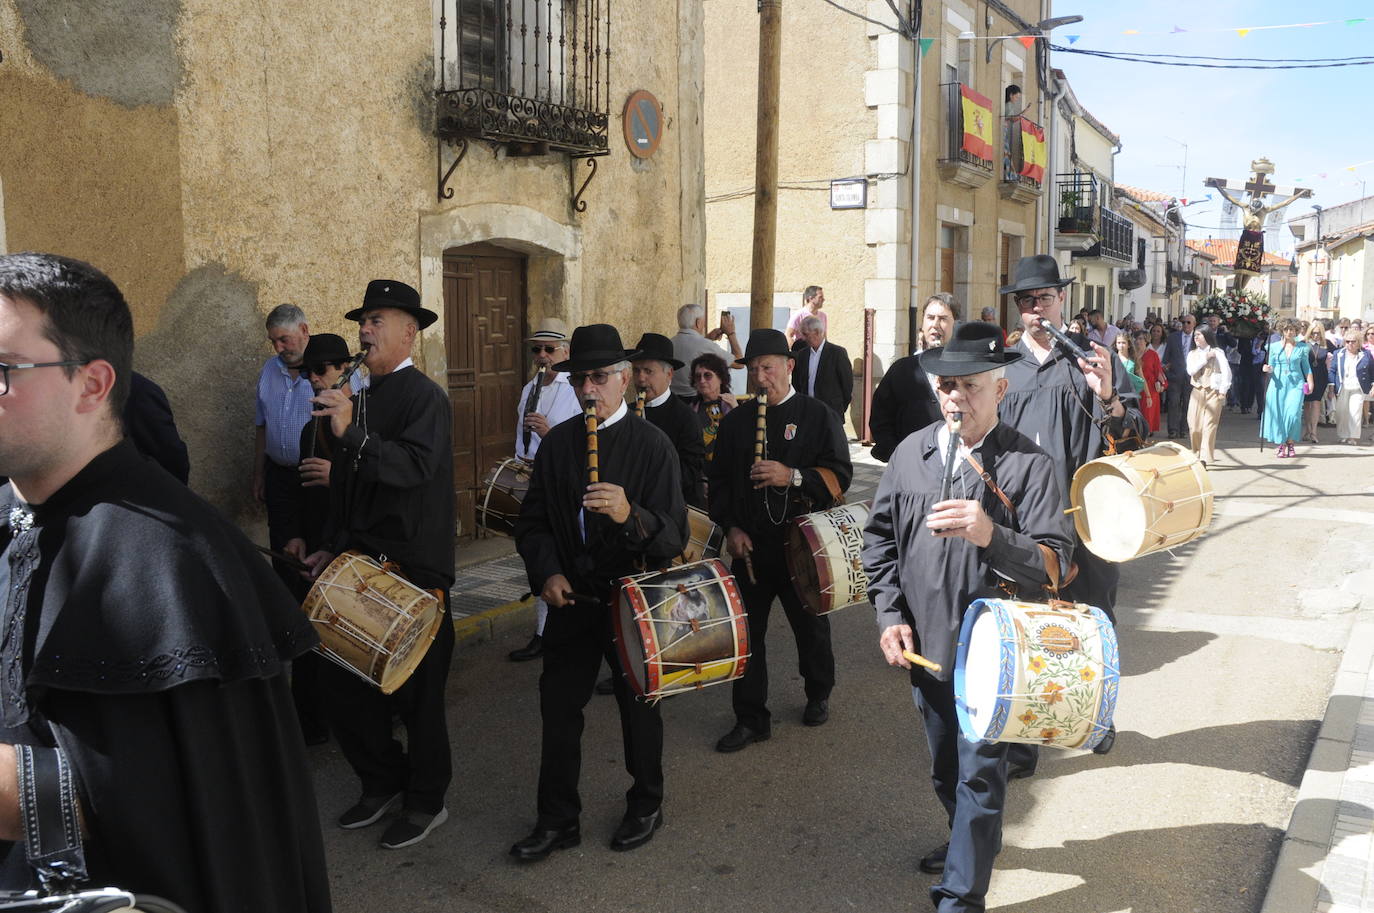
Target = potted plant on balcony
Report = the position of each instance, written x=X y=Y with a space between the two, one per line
x=1074 y=216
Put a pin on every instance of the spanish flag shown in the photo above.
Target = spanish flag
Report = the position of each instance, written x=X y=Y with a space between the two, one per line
x=1033 y=150
x=979 y=131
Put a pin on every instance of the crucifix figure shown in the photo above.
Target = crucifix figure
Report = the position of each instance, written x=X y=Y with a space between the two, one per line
x=1250 y=248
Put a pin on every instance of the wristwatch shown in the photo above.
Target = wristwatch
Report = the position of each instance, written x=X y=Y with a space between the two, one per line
x=796 y=478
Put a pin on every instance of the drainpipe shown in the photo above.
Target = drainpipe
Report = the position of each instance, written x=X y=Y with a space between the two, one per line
x=913 y=303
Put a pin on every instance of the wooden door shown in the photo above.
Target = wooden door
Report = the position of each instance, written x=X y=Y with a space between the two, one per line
x=484 y=308
x=946 y=270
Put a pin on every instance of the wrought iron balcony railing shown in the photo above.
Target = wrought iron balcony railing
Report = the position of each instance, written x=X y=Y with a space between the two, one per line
x=1118 y=236
x=1078 y=195
x=956 y=131
x=526 y=71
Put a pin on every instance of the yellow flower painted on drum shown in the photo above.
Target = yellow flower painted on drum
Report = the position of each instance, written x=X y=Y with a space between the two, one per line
x=1049 y=735
x=1052 y=695
x=1087 y=674
x=1036 y=663
x=1027 y=718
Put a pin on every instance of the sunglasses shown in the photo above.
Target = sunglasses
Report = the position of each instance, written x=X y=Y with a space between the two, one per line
x=598 y=378
x=703 y=375
x=547 y=350
x=320 y=369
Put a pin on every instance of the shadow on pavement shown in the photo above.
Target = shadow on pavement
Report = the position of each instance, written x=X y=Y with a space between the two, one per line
x=1144 y=650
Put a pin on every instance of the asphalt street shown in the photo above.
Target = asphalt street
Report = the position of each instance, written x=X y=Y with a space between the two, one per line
x=1228 y=647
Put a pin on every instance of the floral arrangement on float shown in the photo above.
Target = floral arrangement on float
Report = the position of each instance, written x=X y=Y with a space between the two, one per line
x=1240 y=311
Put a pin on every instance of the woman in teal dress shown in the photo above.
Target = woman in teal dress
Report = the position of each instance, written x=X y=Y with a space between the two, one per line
x=1289 y=367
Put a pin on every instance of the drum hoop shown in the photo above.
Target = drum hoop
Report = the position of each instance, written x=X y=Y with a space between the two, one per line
x=486 y=495
x=329 y=654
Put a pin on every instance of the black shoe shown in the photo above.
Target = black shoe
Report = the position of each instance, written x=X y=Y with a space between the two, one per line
x=1108 y=741
x=532 y=650
x=634 y=831
x=816 y=713
x=1019 y=771
x=544 y=840
x=933 y=863
x=606 y=685
x=740 y=737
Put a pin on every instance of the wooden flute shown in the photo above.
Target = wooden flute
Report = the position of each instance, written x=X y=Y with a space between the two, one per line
x=593 y=464
x=639 y=402
x=760 y=436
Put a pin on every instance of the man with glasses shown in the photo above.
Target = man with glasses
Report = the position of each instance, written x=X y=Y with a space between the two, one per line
x=146 y=736
x=546 y=401
x=804 y=467
x=577 y=540
x=1070 y=408
x=1176 y=349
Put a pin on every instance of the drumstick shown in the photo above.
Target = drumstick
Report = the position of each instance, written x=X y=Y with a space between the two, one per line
x=593 y=466
x=290 y=561
x=920 y=660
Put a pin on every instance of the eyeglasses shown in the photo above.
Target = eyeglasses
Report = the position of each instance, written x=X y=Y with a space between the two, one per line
x=6 y=369
x=702 y=375
x=320 y=369
x=1031 y=300
x=598 y=378
x=547 y=350
x=1188 y=321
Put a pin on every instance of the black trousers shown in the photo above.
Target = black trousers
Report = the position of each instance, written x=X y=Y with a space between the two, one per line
x=970 y=780
x=361 y=719
x=815 y=659
x=576 y=639
x=1176 y=402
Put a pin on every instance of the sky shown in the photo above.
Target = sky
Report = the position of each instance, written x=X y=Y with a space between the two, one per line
x=1307 y=122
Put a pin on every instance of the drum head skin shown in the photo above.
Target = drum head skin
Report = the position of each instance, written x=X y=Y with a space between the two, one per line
x=1036 y=674
x=1119 y=514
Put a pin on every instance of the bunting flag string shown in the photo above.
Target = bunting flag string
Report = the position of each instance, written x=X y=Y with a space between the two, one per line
x=1242 y=31
x=1321 y=175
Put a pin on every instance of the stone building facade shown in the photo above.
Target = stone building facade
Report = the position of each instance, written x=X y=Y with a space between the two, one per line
x=220 y=158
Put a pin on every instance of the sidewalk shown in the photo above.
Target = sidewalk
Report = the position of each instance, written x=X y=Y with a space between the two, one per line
x=490 y=594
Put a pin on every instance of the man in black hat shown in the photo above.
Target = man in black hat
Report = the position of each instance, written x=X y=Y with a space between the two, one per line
x=392 y=494
x=1071 y=408
x=927 y=558
x=804 y=467
x=577 y=540
x=653 y=371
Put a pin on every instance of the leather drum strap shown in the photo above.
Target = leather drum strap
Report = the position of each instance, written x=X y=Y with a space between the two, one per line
x=832 y=485
x=48 y=804
x=1051 y=559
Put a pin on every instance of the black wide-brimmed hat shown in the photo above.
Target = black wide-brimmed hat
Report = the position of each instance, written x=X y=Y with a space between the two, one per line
x=975 y=348
x=1039 y=271
x=325 y=347
x=764 y=342
x=390 y=293
x=595 y=346
x=657 y=347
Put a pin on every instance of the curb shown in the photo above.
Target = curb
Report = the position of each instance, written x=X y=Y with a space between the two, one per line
x=1296 y=882
x=487 y=625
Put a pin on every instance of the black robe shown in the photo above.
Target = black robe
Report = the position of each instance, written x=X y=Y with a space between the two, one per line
x=903 y=402
x=631 y=453
x=917 y=579
x=683 y=427
x=145 y=639
x=392 y=480
x=1051 y=404
x=803 y=433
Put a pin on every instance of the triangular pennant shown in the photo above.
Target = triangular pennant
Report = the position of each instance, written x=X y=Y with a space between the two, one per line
x=1349 y=167
x=1353 y=21
x=1131 y=32
x=1073 y=38
x=1175 y=30
x=1026 y=40
x=925 y=45
x=1322 y=175
x=1242 y=32
x=1184 y=201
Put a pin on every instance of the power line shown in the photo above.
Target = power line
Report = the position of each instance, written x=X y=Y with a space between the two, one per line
x=1138 y=58
x=858 y=15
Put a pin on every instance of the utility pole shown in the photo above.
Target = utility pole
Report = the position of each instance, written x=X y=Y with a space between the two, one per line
x=766 y=167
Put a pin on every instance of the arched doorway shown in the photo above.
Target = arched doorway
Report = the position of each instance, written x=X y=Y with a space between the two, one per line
x=484 y=330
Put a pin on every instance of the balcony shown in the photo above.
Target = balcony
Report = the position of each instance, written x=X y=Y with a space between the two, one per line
x=1078 y=208
x=967 y=158
x=1022 y=174
x=533 y=77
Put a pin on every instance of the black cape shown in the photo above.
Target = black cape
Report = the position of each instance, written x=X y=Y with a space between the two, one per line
x=903 y=402
x=631 y=453
x=392 y=480
x=146 y=639
x=683 y=427
x=803 y=433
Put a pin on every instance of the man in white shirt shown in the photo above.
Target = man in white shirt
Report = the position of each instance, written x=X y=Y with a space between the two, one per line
x=555 y=402
x=823 y=370
x=1100 y=331
x=692 y=340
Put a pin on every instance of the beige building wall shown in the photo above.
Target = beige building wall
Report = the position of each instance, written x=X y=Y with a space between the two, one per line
x=218 y=158
x=847 y=111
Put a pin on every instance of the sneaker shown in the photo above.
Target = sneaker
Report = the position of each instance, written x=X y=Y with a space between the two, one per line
x=410 y=828
x=368 y=810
